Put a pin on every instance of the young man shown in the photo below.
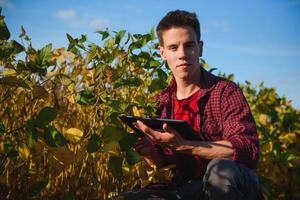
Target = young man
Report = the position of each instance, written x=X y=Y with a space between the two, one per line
x=218 y=165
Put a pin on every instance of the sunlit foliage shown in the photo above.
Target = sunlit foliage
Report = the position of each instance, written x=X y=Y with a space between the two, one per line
x=60 y=136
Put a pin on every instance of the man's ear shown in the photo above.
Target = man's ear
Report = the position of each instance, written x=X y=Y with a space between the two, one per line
x=200 y=48
x=162 y=52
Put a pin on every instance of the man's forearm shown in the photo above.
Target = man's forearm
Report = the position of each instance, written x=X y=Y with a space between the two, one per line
x=207 y=150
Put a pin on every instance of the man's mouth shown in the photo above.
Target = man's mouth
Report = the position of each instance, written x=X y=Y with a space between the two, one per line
x=183 y=65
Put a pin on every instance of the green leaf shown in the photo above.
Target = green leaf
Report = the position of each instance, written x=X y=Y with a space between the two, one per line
x=162 y=75
x=71 y=40
x=18 y=48
x=83 y=38
x=115 y=166
x=140 y=42
x=154 y=63
x=212 y=69
x=34 y=68
x=44 y=56
x=64 y=79
x=291 y=157
x=81 y=41
x=4 y=32
x=131 y=82
x=104 y=34
x=132 y=157
x=23 y=32
x=45 y=116
x=10 y=150
x=128 y=38
x=37 y=188
x=137 y=45
x=9 y=49
x=53 y=138
x=119 y=36
x=109 y=43
x=144 y=54
x=110 y=134
x=127 y=142
x=116 y=105
x=86 y=97
x=153 y=34
x=230 y=77
x=94 y=144
x=72 y=44
x=2 y=129
x=32 y=134
x=14 y=81
x=155 y=85
x=114 y=118
x=92 y=53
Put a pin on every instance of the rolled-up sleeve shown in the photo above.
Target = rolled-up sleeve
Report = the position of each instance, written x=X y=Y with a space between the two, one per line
x=239 y=126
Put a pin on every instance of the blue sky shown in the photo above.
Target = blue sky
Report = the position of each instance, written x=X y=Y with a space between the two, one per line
x=256 y=40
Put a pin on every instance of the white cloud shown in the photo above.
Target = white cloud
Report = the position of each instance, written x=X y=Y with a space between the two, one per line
x=65 y=14
x=98 y=23
x=72 y=19
x=6 y=4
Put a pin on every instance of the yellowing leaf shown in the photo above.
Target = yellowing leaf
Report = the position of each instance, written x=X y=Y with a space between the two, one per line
x=1 y=147
x=288 y=138
x=205 y=65
x=264 y=119
x=23 y=152
x=70 y=55
x=136 y=111
x=39 y=92
x=90 y=74
x=278 y=109
x=71 y=88
x=150 y=162
x=8 y=72
x=112 y=148
x=60 y=158
x=267 y=147
x=62 y=155
x=58 y=55
x=71 y=99
x=73 y=134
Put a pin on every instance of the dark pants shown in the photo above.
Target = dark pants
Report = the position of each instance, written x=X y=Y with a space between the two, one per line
x=223 y=179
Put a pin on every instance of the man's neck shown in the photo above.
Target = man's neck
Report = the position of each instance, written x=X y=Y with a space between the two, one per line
x=186 y=87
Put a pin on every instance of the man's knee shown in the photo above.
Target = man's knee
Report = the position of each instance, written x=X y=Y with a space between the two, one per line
x=226 y=178
x=222 y=168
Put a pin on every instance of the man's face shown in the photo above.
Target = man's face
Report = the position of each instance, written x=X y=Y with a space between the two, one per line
x=181 y=50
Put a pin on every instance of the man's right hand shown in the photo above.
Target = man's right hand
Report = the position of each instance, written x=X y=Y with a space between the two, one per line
x=146 y=147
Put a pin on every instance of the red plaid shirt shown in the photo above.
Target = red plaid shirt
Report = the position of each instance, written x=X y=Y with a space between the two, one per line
x=224 y=114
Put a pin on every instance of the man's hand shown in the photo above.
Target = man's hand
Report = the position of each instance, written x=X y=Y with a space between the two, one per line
x=170 y=136
x=205 y=149
x=146 y=147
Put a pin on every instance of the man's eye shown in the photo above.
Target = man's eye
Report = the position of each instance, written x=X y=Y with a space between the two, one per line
x=173 y=48
x=190 y=45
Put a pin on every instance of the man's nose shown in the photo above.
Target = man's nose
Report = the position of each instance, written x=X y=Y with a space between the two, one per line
x=182 y=53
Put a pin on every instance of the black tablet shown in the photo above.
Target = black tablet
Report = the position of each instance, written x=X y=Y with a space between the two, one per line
x=180 y=126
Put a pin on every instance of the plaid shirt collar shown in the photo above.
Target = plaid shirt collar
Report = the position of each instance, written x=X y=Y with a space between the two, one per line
x=207 y=83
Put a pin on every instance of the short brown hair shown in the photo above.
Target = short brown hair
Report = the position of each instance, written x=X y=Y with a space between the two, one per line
x=178 y=18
